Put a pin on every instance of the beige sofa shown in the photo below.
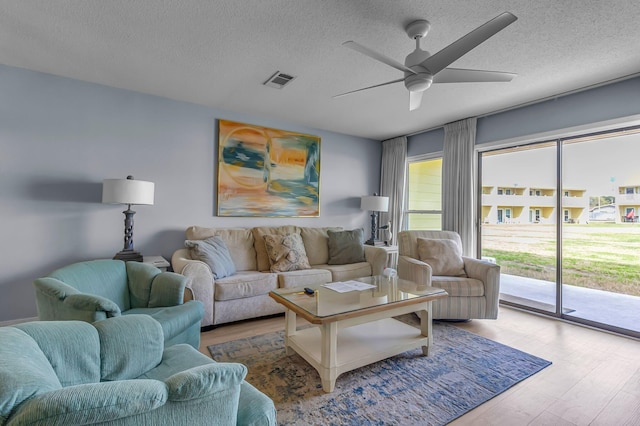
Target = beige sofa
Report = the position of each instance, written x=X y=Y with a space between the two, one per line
x=245 y=294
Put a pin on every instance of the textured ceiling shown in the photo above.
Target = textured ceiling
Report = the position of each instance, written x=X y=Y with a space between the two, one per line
x=218 y=53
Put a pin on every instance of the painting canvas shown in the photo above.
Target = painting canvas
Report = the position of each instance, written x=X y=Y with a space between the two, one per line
x=267 y=172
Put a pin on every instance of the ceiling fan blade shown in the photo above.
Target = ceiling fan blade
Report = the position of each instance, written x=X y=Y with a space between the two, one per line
x=370 y=87
x=415 y=99
x=377 y=56
x=459 y=75
x=465 y=44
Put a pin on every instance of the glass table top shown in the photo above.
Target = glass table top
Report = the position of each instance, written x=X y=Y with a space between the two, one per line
x=325 y=302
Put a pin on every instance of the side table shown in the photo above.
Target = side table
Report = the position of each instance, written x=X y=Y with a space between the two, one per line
x=157 y=261
x=392 y=255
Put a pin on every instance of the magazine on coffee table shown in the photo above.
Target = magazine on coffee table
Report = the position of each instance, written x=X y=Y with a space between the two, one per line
x=347 y=286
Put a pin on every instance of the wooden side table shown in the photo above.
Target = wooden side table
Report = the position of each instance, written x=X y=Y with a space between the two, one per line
x=157 y=261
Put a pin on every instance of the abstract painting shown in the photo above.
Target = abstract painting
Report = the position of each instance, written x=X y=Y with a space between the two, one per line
x=264 y=172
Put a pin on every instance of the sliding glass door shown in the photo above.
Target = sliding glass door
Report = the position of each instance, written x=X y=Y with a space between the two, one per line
x=601 y=239
x=518 y=228
x=561 y=219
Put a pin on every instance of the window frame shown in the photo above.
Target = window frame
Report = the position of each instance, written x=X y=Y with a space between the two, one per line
x=405 y=210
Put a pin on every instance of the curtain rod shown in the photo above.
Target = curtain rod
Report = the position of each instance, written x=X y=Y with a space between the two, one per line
x=548 y=98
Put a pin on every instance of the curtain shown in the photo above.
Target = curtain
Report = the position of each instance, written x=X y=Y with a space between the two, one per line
x=458 y=177
x=392 y=182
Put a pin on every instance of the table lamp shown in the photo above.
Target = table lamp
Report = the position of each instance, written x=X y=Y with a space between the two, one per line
x=127 y=191
x=374 y=203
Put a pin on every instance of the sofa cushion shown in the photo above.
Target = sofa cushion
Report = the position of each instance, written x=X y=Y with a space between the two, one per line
x=262 y=258
x=123 y=336
x=214 y=252
x=459 y=286
x=25 y=371
x=347 y=272
x=304 y=278
x=140 y=276
x=444 y=256
x=245 y=284
x=102 y=277
x=316 y=243
x=174 y=320
x=346 y=246
x=239 y=241
x=60 y=340
x=286 y=252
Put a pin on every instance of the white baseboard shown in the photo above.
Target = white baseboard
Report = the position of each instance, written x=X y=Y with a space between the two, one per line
x=18 y=321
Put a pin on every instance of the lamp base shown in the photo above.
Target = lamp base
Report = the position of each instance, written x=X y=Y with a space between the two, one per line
x=128 y=256
x=370 y=242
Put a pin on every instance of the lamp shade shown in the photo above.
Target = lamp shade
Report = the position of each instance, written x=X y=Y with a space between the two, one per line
x=127 y=191
x=375 y=203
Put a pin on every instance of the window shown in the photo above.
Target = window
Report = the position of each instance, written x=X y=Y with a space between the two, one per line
x=424 y=194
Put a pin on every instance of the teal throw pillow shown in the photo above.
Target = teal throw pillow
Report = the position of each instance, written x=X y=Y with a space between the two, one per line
x=214 y=252
x=346 y=247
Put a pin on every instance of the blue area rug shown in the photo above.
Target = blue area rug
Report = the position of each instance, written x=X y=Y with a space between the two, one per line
x=464 y=371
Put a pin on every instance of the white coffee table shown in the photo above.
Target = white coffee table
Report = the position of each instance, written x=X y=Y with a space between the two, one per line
x=355 y=329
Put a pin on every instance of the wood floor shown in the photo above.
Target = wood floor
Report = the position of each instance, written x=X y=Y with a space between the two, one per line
x=594 y=379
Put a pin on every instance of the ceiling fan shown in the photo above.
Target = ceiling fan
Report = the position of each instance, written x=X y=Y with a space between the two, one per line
x=421 y=69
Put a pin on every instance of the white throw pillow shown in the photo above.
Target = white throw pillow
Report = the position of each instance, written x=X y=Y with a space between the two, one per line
x=444 y=256
x=286 y=252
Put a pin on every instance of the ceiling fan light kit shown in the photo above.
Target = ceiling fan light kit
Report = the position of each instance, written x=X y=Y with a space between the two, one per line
x=421 y=69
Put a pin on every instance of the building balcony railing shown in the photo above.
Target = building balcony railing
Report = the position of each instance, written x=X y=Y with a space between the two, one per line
x=575 y=202
x=624 y=199
x=533 y=201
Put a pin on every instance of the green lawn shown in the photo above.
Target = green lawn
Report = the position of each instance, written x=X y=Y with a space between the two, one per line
x=598 y=256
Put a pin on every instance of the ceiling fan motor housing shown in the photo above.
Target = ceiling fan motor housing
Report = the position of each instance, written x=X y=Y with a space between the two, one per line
x=418 y=82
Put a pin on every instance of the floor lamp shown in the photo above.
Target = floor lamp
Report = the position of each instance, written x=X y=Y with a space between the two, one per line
x=127 y=191
x=374 y=203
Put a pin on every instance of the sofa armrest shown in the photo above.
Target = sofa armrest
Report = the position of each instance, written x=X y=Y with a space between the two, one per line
x=377 y=257
x=489 y=274
x=167 y=289
x=180 y=259
x=206 y=381
x=200 y=282
x=414 y=270
x=59 y=301
x=92 y=403
x=92 y=303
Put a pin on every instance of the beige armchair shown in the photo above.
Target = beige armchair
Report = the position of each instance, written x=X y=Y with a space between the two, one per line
x=473 y=287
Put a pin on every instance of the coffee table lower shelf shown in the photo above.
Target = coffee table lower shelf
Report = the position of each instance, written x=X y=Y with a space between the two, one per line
x=354 y=346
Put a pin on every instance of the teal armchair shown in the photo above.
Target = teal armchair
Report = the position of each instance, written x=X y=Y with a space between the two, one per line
x=117 y=372
x=99 y=289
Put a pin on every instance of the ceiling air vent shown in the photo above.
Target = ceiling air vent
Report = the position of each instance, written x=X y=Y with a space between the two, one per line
x=279 y=80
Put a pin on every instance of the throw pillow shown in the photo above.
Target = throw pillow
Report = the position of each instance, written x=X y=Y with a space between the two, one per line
x=286 y=252
x=444 y=256
x=346 y=246
x=214 y=252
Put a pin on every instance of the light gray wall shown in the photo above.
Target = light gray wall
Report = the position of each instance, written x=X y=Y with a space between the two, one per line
x=59 y=138
x=616 y=100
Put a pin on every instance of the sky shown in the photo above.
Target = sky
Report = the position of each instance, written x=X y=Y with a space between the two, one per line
x=599 y=166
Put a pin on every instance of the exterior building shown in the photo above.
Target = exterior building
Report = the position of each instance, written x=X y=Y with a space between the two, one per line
x=628 y=203
x=536 y=204
x=514 y=204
